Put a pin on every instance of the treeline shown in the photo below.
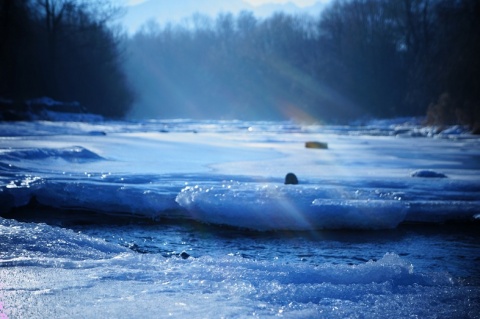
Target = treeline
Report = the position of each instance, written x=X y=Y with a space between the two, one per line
x=65 y=50
x=358 y=58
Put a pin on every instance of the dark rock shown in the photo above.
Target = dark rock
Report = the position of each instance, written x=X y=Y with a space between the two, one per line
x=184 y=255
x=291 y=179
x=97 y=133
x=319 y=145
x=428 y=174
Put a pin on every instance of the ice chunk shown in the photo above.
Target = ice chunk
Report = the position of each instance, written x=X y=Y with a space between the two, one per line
x=71 y=154
x=272 y=207
x=21 y=243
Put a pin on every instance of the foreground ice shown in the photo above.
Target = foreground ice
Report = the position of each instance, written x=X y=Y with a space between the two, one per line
x=49 y=272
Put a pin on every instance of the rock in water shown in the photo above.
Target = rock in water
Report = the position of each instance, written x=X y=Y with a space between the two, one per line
x=184 y=255
x=319 y=145
x=291 y=179
x=428 y=174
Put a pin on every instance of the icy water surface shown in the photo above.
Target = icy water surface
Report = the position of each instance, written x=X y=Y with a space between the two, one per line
x=121 y=270
x=449 y=249
x=95 y=217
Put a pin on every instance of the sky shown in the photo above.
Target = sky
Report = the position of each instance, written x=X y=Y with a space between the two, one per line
x=165 y=11
x=300 y=3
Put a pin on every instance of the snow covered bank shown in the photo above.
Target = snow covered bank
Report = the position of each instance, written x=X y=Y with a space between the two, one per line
x=45 y=109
